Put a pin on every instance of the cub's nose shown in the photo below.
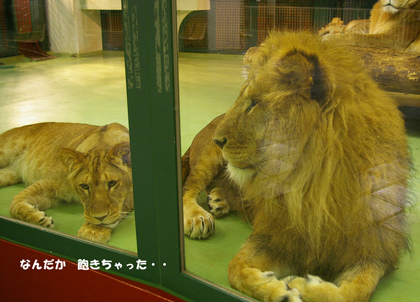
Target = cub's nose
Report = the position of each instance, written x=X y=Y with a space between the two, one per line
x=221 y=142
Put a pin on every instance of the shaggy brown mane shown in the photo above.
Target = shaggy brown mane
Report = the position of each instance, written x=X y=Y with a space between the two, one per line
x=333 y=148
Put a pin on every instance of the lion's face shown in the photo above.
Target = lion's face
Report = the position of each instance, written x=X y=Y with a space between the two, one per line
x=102 y=181
x=259 y=133
x=394 y=6
x=241 y=135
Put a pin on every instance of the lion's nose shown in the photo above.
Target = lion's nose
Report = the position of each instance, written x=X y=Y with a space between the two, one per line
x=101 y=217
x=221 y=142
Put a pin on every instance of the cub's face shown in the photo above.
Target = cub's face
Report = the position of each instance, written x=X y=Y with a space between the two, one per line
x=394 y=6
x=103 y=194
x=102 y=182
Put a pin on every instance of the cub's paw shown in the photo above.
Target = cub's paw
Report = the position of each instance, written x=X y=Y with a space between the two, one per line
x=218 y=205
x=46 y=221
x=31 y=214
x=198 y=223
x=40 y=218
x=95 y=233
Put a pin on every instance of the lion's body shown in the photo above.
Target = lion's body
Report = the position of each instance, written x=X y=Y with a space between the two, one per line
x=319 y=173
x=387 y=19
x=336 y=26
x=393 y=24
x=55 y=159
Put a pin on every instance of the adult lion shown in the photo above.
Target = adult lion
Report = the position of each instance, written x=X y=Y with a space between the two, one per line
x=394 y=24
x=317 y=160
x=69 y=162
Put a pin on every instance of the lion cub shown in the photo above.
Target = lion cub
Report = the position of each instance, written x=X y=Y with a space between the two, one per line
x=72 y=163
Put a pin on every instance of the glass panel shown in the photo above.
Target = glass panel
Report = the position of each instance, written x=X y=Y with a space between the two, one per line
x=209 y=82
x=71 y=70
x=214 y=36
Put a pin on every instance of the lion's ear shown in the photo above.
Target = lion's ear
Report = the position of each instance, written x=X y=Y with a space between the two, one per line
x=250 y=56
x=71 y=158
x=121 y=153
x=304 y=75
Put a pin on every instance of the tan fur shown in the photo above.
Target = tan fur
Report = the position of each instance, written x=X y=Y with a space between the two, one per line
x=70 y=162
x=315 y=168
x=358 y=26
x=394 y=24
x=336 y=27
x=205 y=161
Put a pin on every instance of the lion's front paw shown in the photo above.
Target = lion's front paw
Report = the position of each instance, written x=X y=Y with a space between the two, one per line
x=198 y=223
x=30 y=213
x=312 y=287
x=218 y=205
x=281 y=292
x=95 y=233
x=40 y=218
x=300 y=283
x=292 y=295
x=45 y=221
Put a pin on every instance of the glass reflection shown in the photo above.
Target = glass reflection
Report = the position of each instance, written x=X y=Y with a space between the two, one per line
x=71 y=69
x=212 y=44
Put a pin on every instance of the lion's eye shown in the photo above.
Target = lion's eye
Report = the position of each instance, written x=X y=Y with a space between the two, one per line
x=112 y=183
x=84 y=186
x=253 y=104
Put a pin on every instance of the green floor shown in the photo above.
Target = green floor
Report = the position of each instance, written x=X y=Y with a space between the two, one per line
x=92 y=90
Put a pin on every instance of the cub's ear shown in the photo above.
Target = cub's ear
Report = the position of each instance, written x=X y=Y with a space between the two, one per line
x=303 y=74
x=71 y=158
x=121 y=153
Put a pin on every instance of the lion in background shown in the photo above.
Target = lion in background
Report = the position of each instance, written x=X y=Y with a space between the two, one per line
x=393 y=24
x=315 y=155
x=73 y=163
x=336 y=26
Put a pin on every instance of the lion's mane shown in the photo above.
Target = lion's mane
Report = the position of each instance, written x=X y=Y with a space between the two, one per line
x=332 y=166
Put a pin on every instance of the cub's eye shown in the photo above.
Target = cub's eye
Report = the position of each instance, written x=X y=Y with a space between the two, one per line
x=84 y=186
x=112 y=183
x=253 y=104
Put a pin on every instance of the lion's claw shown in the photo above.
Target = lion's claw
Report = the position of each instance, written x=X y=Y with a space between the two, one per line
x=198 y=223
x=217 y=205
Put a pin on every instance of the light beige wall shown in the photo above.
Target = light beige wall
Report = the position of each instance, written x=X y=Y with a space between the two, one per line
x=71 y=29
x=192 y=4
x=101 y=4
x=62 y=26
x=89 y=31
